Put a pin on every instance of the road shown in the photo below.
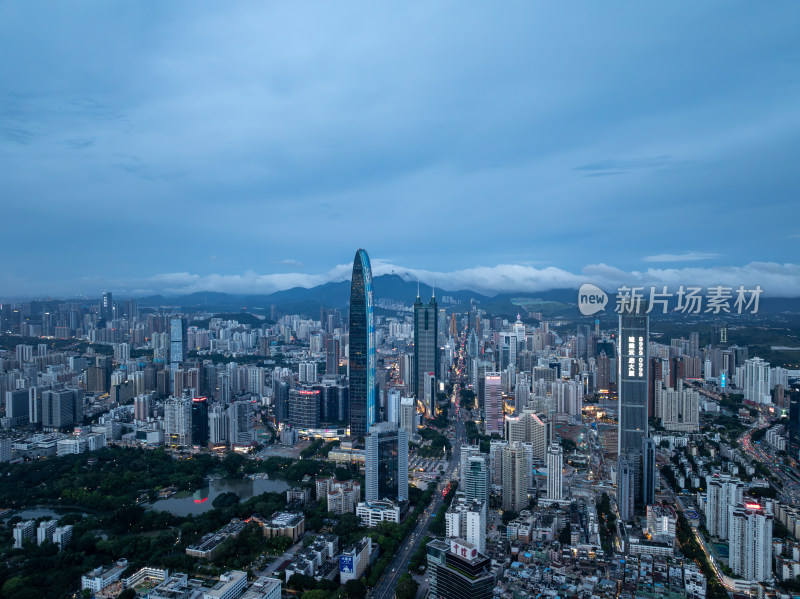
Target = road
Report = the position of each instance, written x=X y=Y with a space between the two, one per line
x=287 y=555
x=761 y=452
x=388 y=582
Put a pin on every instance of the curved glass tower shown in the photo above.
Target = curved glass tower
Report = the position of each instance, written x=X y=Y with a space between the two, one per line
x=362 y=347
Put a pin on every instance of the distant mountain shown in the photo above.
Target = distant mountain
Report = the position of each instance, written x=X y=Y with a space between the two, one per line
x=329 y=295
x=551 y=304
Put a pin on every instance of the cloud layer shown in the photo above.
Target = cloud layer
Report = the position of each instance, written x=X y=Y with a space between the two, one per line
x=684 y=257
x=776 y=280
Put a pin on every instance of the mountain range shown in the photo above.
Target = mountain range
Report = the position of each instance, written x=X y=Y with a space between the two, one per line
x=394 y=288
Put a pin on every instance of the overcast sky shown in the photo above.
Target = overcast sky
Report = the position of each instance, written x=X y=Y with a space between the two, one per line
x=248 y=147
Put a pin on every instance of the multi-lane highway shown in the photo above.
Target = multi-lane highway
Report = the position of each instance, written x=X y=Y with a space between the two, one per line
x=761 y=452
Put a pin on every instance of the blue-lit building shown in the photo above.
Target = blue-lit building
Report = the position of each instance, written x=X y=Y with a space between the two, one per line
x=362 y=347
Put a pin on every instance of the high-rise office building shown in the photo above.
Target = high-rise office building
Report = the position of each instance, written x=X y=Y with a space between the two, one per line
x=530 y=427
x=386 y=463
x=393 y=396
x=751 y=542
x=428 y=397
x=466 y=452
x=407 y=415
x=555 y=475
x=362 y=347
x=456 y=569
x=304 y=407
x=515 y=478
x=475 y=476
x=633 y=365
x=632 y=377
x=18 y=407
x=626 y=488
x=493 y=403
x=426 y=347
x=199 y=422
x=178 y=422
x=62 y=409
x=332 y=356
x=496 y=447
x=107 y=307
x=649 y=472
x=177 y=340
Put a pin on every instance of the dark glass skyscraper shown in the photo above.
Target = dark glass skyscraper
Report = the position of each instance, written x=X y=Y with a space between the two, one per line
x=107 y=307
x=633 y=379
x=386 y=463
x=648 y=471
x=199 y=421
x=362 y=347
x=177 y=340
x=426 y=347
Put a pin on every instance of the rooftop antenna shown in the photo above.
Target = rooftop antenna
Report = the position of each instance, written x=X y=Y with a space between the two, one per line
x=433 y=290
x=417 y=288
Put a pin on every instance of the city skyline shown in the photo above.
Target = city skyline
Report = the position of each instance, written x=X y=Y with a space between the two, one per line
x=220 y=123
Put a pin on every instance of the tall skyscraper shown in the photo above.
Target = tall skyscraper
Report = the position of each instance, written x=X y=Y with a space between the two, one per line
x=648 y=471
x=199 y=422
x=515 y=478
x=632 y=382
x=107 y=307
x=555 y=466
x=177 y=340
x=426 y=346
x=493 y=403
x=362 y=347
x=386 y=463
x=632 y=369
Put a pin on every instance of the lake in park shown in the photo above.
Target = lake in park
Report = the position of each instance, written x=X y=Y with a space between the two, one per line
x=203 y=499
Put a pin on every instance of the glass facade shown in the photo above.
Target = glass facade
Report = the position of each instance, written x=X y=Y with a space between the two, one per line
x=199 y=422
x=362 y=347
x=426 y=347
x=632 y=377
x=386 y=463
